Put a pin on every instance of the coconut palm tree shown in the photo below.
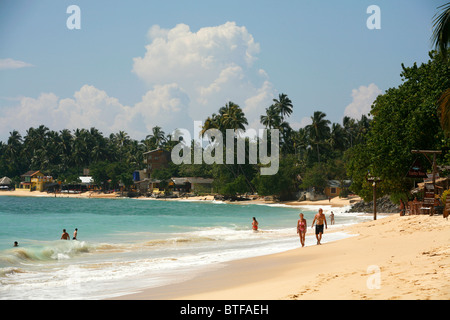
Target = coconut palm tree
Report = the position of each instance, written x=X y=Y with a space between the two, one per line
x=441 y=32
x=157 y=137
x=272 y=118
x=444 y=110
x=283 y=105
x=232 y=117
x=336 y=139
x=441 y=40
x=318 y=130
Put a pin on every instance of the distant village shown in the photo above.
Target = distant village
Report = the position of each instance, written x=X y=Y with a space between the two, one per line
x=144 y=184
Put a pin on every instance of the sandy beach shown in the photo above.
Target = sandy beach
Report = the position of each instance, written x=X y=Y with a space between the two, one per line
x=335 y=202
x=393 y=258
x=27 y=193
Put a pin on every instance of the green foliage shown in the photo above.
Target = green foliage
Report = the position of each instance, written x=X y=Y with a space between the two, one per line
x=404 y=119
x=283 y=184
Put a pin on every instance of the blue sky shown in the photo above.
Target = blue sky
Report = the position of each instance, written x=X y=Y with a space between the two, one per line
x=137 y=64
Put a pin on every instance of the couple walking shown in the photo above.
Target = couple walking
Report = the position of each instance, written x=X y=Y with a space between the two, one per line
x=319 y=220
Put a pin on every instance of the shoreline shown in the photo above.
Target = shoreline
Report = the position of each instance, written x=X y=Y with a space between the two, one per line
x=394 y=258
x=408 y=256
x=334 y=202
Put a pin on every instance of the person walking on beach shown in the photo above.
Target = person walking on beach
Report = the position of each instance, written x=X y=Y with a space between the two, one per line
x=65 y=235
x=332 y=217
x=75 y=234
x=320 y=218
x=255 y=225
x=301 y=229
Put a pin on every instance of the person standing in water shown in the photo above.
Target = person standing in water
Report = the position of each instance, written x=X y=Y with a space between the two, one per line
x=75 y=233
x=65 y=235
x=255 y=225
x=301 y=229
x=320 y=218
x=332 y=217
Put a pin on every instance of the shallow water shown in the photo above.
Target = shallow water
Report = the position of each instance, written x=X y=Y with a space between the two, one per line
x=127 y=244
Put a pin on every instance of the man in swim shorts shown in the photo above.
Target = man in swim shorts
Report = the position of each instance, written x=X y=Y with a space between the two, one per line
x=320 y=217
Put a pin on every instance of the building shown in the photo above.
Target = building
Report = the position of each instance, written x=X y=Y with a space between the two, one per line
x=5 y=183
x=35 y=181
x=191 y=184
x=155 y=159
x=334 y=187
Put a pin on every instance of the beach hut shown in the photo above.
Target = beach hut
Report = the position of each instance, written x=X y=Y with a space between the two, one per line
x=191 y=184
x=5 y=183
x=334 y=187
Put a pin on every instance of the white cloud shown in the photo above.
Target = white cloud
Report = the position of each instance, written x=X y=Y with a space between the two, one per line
x=363 y=97
x=28 y=111
x=164 y=106
x=89 y=107
x=211 y=66
x=13 y=64
x=190 y=75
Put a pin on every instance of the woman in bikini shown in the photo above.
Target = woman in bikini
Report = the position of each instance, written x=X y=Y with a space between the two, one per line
x=301 y=229
x=255 y=225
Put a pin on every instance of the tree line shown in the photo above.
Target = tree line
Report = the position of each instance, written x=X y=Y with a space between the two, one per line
x=64 y=154
x=402 y=119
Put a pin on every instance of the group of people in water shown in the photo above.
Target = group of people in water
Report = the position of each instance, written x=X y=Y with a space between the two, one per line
x=66 y=236
x=319 y=220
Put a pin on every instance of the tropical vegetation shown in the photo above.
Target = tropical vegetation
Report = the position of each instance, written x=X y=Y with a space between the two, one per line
x=413 y=115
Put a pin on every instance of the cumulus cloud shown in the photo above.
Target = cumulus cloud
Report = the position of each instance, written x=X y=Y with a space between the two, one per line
x=89 y=107
x=13 y=64
x=211 y=66
x=189 y=75
x=363 y=97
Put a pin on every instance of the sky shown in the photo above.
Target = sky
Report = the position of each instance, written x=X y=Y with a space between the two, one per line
x=133 y=65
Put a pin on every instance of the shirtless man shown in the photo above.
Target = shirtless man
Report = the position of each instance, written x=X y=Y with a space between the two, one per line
x=320 y=217
x=65 y=235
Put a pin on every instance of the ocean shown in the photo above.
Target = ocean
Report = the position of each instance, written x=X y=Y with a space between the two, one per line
x=125 y=245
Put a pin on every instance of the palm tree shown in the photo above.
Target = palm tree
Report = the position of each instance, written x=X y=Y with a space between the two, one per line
x=444 y=110
x=14 y=144
x=318 y=130
x=349 y=128
x=336 y=140
x=441 y=40
x=157 y=138
x=232 y=117
x=283 y=105
x=272 y=118
x=210 y=123
x=441 y=32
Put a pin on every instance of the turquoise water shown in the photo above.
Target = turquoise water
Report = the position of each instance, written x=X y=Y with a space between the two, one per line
x=127 y=244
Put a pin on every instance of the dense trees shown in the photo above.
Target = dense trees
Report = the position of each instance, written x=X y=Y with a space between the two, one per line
x=404 y=118
x=65 y=154
x=113 y=158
